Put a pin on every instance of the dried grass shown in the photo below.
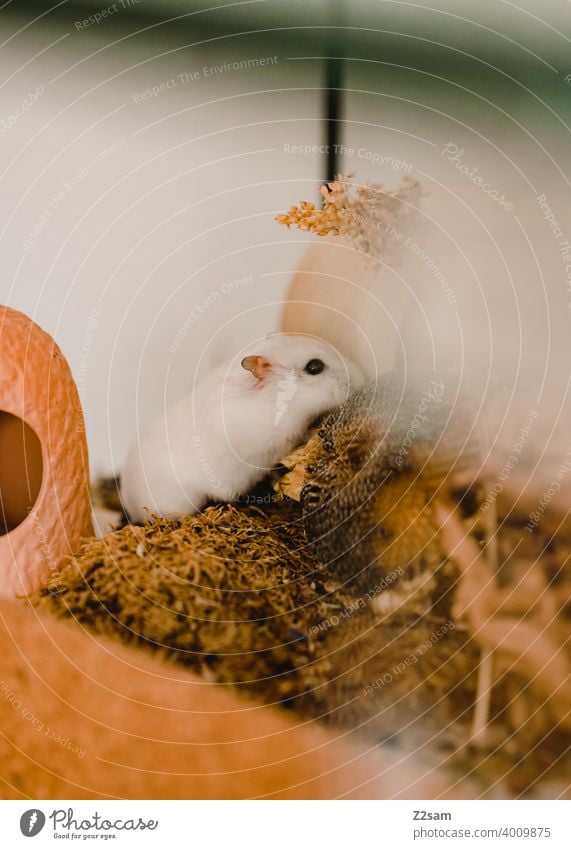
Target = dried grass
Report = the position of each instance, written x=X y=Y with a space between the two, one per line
x=236 y=593
x=369 y=216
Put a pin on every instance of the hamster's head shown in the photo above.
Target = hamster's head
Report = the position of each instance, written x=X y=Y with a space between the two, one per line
x=302 y=376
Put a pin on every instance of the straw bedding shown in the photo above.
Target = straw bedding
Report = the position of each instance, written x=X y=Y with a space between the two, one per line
x=250 y=597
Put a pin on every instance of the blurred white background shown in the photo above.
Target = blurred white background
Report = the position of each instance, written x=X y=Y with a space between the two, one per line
x=138 y=227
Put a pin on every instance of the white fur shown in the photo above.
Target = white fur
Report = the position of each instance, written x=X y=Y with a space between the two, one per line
x=218 y=442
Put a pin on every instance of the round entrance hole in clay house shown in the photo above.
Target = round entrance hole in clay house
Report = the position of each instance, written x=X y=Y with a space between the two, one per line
x=21 y=471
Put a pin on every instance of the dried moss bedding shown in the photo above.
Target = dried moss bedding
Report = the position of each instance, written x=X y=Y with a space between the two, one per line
x=237 y=594
x=234 y=594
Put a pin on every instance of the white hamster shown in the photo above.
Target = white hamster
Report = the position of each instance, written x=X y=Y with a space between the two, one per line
x=240 y=420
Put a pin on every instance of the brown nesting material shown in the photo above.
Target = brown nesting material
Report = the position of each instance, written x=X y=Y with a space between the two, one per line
x=371 y=482
x=234 y=594
x=344 y=606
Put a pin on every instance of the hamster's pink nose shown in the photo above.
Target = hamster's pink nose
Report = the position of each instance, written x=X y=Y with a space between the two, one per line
x=259 y=366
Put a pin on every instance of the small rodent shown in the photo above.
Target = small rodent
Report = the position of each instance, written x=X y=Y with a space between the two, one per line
x=240 y=420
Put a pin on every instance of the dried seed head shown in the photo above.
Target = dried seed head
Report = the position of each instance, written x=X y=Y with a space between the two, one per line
x=367 y=216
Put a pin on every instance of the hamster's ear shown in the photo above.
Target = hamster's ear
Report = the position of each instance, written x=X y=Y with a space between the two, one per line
x=259 y=366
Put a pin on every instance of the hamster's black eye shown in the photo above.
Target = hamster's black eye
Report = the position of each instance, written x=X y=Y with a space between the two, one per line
x=315 y=367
